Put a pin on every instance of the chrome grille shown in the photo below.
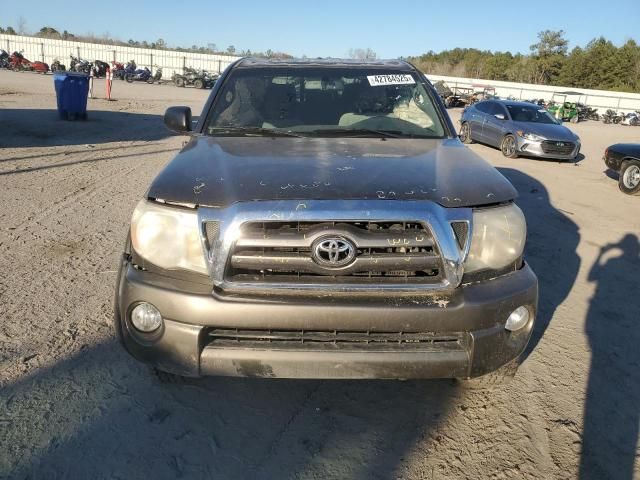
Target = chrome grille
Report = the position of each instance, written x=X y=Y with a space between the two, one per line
x=385 y=252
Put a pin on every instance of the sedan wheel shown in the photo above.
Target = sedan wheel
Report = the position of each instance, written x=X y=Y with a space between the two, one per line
x=629 y=182
x=508 y=146
x=465 y=133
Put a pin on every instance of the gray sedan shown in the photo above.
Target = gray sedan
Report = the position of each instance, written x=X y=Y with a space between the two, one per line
x=518 y=128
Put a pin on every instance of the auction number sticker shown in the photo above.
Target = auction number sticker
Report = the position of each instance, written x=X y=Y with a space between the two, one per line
x=397 y=79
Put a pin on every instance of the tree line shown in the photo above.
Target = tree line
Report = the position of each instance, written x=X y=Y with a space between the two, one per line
x=160 y=44
x=599 y=65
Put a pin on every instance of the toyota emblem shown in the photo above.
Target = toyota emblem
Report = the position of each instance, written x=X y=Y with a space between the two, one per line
x=333 y=252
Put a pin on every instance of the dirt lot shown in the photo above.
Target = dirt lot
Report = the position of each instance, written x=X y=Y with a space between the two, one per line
x=73 y=404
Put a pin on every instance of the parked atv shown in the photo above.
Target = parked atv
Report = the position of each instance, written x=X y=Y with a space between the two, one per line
x=197 y=78
x=444 y=92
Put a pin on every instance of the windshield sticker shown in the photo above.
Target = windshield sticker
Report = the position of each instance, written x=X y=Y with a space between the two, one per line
x=381 y=80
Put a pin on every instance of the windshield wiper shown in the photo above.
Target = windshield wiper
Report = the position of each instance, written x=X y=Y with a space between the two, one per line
x=361 y=132
x=253 y=131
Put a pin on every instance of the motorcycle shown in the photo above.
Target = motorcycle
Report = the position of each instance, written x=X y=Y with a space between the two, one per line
x=4 y=59
x=587 y=113
x=140 y=75
x=611 y=116
x=18 y=62
x=631 y=119
x=79 y=65
x=156 y=76
x=56 y=66
x=100 y=68
x=118 y=70
x=39 y=67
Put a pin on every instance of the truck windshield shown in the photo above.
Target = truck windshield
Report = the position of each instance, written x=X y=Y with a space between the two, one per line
x=324 y=102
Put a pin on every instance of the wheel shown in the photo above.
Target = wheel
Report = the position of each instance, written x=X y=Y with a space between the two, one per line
x=629 y=180
x=633 y=122
x=575 y=119
x=465 y=133
x=179 y=82
x=129 y=78
x=501 y=376
x=198 y=83
x=150 y=80
x=508 y=146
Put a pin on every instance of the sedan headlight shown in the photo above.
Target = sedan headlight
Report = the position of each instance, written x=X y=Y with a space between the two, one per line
x=168 y=237
x=530 y=136
x=498 y=238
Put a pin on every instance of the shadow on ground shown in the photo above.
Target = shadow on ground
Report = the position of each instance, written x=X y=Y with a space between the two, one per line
x=21 y=128
x=612 y=407
x=552 y=244
x=101 y=414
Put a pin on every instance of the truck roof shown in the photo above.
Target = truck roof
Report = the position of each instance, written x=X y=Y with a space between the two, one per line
x=398 y=65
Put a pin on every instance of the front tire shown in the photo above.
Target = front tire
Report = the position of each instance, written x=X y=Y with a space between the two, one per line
x=509 y=147
x=129 y=78
x=465 y=133
x=629 y=180
x=179 y=82
x=198 y=83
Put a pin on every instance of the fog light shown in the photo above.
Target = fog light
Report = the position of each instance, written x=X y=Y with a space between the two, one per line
x=145 y=317
x=518 y=319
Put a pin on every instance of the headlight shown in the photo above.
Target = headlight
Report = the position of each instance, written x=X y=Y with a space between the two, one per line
x=168 y=237
x=529 y=136
x=498 y=238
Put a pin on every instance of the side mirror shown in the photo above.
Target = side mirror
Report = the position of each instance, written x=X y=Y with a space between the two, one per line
x=500 y=116
x=178 y=119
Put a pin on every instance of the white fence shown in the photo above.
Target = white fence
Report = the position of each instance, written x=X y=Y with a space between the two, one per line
x=47 y=50
x=600 y=99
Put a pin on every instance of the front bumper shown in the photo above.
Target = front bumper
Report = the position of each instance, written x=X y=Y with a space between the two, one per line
x=476 y=312
x=534 y=149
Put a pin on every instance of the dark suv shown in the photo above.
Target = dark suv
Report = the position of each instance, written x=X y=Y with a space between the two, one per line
x=324 y=221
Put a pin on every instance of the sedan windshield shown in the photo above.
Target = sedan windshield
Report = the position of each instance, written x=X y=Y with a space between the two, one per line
x=532 y=114
x=324 y=102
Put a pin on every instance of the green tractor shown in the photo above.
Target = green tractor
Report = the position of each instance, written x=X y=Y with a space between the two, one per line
x=562 y=109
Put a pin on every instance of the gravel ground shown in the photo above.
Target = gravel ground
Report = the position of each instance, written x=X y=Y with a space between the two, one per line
x=73 y=404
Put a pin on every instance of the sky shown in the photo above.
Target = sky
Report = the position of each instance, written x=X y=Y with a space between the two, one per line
x=392 y=28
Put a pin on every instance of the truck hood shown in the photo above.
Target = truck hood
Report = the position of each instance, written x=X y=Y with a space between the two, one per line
x=219 y=171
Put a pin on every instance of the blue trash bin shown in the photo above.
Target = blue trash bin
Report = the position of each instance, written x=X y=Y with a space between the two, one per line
x=72 y=90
